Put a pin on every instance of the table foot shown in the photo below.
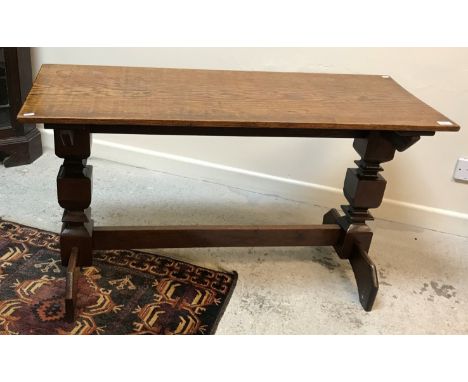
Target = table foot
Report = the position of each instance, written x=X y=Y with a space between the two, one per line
x=354 y=246
x=365 y=273
x=73 y=273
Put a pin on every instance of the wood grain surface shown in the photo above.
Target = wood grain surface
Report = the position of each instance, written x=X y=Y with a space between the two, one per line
x=103 y=95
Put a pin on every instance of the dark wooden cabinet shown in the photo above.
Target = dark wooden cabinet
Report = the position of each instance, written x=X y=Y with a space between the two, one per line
x=19 y=144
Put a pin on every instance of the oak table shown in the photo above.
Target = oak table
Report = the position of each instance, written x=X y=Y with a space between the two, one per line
x=78 y=101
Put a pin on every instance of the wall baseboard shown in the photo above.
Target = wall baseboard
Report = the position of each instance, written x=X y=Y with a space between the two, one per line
x=409 y=213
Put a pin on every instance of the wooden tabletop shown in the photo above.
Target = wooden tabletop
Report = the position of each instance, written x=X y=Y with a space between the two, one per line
x=105 y=95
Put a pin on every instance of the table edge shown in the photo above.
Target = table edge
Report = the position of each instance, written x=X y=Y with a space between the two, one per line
x=236 y=124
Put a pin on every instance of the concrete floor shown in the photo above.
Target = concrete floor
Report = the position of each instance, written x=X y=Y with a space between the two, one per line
x=423 y=273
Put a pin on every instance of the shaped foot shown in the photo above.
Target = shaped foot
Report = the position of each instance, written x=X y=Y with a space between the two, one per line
x=365 y=273
x=73 y=273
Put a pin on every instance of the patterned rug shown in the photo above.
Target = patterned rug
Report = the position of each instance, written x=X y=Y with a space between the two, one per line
x=124 y=292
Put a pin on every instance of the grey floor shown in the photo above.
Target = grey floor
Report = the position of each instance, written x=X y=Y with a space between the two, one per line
x=423 y=273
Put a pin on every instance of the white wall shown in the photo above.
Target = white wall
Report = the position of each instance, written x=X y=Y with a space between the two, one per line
x=420 y=188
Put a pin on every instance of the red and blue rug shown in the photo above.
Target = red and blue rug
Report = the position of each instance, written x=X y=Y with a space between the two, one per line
x=124 y=292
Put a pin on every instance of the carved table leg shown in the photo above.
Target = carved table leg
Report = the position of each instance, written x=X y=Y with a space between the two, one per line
x=364 y=188
x=74 y=187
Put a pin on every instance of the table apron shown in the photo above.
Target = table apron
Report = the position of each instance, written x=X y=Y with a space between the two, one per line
x=233 y=131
